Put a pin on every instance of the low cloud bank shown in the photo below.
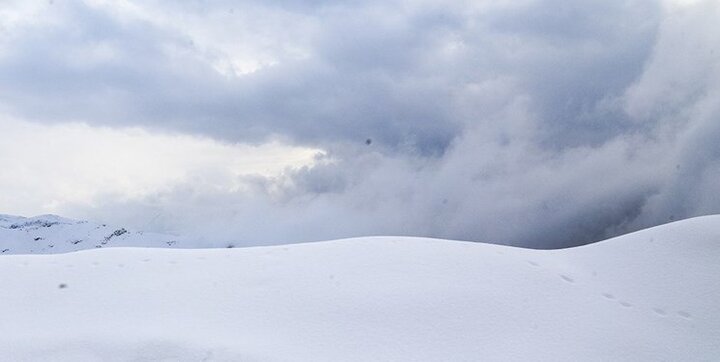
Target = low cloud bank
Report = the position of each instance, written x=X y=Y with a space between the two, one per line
x=533 y=123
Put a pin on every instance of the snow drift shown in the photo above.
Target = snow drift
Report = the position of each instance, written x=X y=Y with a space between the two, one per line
x=648 y=296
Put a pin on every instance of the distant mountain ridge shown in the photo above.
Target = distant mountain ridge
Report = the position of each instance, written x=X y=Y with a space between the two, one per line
x=50 y=234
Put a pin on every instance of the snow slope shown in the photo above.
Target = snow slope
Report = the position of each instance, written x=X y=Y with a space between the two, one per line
x=48 y=234
x=653 y=295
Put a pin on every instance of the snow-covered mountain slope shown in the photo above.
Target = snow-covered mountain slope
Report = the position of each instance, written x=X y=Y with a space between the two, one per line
x=653 y=295
x=48 y=234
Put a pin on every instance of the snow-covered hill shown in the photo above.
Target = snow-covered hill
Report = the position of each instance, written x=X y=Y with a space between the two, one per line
x=653 y=295
x=49 y=234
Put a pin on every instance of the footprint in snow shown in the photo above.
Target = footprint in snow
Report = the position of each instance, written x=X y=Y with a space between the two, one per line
x=608 y=296
x=567 y=278
x=660 y=312
x=684 y=314
x=625 y=304
x=533 y=263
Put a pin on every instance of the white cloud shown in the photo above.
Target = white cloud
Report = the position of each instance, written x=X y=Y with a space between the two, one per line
x=47 y=168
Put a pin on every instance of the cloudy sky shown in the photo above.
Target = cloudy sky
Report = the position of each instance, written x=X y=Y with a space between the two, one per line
x=531 y=123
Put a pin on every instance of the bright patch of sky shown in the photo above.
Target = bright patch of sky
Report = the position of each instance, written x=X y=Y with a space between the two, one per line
x=45 y=167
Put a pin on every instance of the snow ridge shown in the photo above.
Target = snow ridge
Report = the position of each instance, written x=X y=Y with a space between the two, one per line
x=647 y=296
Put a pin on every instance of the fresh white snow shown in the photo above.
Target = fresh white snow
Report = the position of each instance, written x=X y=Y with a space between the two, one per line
x=653 y=295
x=50 y=234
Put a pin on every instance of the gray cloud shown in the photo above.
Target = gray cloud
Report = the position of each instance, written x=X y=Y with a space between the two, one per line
x=386 y=70
x=534 y=123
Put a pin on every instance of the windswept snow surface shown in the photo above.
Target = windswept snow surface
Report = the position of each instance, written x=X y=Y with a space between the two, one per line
x=649 y=296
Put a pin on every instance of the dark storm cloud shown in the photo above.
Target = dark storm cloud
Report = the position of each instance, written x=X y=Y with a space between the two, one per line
x=352 y=85
x=383 y=70
x=534 y=123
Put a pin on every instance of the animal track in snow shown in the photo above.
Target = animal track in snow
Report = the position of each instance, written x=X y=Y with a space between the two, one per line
x=625 y=304
x=684 y=314
x=533 y=263
x=608 y=296
x=660 y=312
x=567 y=278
